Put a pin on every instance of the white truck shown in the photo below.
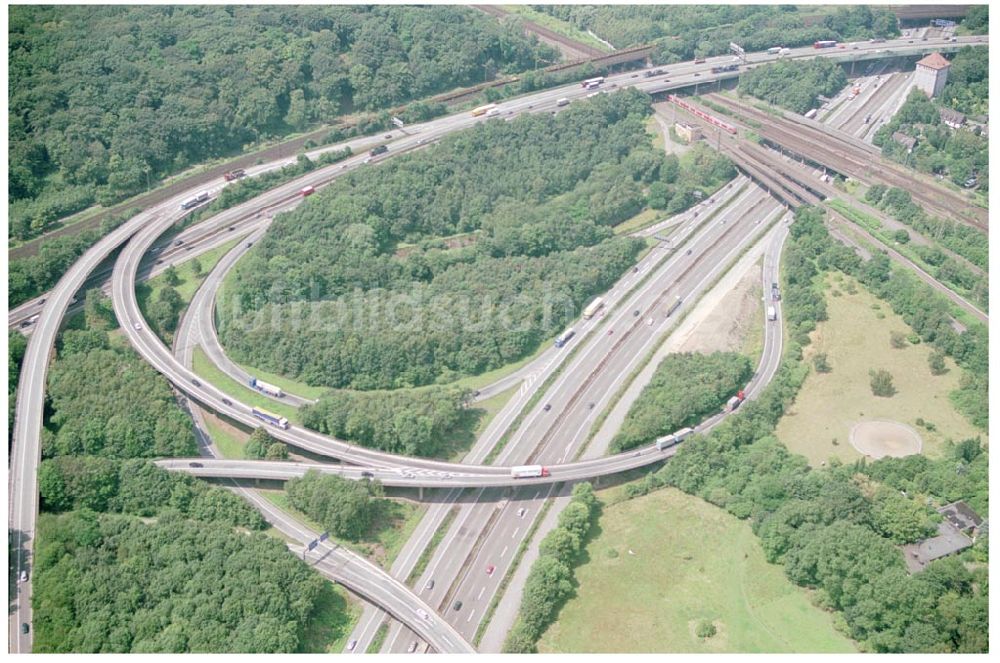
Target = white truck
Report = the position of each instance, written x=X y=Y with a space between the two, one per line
x=772 y=313
x=676 y=437
x=562 y=102
x=528 y=471
x=267 y=388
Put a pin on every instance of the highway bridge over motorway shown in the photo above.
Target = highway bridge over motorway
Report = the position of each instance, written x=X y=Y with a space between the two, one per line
x=153 y=222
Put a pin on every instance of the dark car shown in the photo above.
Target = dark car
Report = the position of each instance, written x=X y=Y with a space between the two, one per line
x=429 y=585
x=367 y=475
x=380 y=149
x=195 y=465
x=458 y=605
x=178 y=242
x=548 y=406
x=24 y=628
x=226 y=401
x=635 y=313
x=195 y=383
x=25 y=323
x=232 y=227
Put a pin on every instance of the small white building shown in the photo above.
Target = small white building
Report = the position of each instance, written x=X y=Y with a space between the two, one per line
x=932 y=74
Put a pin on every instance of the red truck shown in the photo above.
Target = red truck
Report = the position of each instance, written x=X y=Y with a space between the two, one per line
x=735 y=401
x=235 y=174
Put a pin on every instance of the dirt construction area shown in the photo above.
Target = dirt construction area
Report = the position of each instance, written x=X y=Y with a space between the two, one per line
x=877 y=439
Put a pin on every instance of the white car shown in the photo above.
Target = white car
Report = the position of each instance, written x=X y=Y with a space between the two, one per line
x=649 y=322
x=24 y=575
x=521 y=512
x=137 y=326
x=351 y=645
x=412 y=648
x=422 y=613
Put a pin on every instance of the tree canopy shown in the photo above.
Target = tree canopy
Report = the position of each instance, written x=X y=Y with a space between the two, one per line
x=105 y=100
x=458 y=259
x=106 y=583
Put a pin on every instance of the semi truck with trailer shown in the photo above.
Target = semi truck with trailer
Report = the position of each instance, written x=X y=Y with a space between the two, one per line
x=270 y=418
x=593 y=308
x=265 y=387
x=735 y=401
x=564 y=337
x=676 y=437
x=234 y=174
x=483 y=110
x=195 y=200
x=528 y=471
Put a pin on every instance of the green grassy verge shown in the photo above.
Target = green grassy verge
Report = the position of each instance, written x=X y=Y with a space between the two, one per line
x=376 y=644
x=428 y=552
x=382 y=543
x=855 y=339
x=662 y=563
x=333 y=618
x=204 y=367
x=147 y=292
x=229 y=443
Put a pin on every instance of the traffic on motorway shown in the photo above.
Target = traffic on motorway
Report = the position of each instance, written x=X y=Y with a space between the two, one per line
x=44 y=316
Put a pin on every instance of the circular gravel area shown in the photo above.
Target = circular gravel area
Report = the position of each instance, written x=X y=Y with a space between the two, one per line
x=877 y=439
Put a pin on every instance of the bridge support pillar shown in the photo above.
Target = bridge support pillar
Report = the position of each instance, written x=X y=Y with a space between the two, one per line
x=420 y=493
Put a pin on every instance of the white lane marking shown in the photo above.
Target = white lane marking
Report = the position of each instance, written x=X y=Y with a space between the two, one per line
x=481 y=593
x=469 y=618
x=515 y=533
x=504 y=552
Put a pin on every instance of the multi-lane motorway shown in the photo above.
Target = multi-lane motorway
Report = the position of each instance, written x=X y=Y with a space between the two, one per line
x=25 y=453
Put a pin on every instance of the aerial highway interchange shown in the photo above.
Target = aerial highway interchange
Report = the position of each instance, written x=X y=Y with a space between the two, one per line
x=491 y=524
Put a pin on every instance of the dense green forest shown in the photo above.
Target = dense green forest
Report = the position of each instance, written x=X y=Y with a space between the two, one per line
x=793 y=84
x=108 y=583
x=130 y=557
x=107 y=401
x=956 y=153
x=837 y=530
x=331 y=297
x=411 y=423
x=345 y=507
x=550 y=581
x=31 y=276
x=685 y=388
x=106 y=100
x=682 y=32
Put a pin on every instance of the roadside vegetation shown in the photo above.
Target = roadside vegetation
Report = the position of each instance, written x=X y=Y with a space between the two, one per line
x=344 y=507
x=685 y=388
x=794 y=84
x=836 y=530
x=17 y=345
x=681 y=33
x=30 y=277
x=550 y=581
x=958 y=154
x=162 y=299
x=130 y=557
x=545 y=247
x=111 y=100
x=968 y=242
x=428 y=422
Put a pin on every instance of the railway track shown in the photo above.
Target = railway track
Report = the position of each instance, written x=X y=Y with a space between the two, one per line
x=830 y=149
x=569 y=47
